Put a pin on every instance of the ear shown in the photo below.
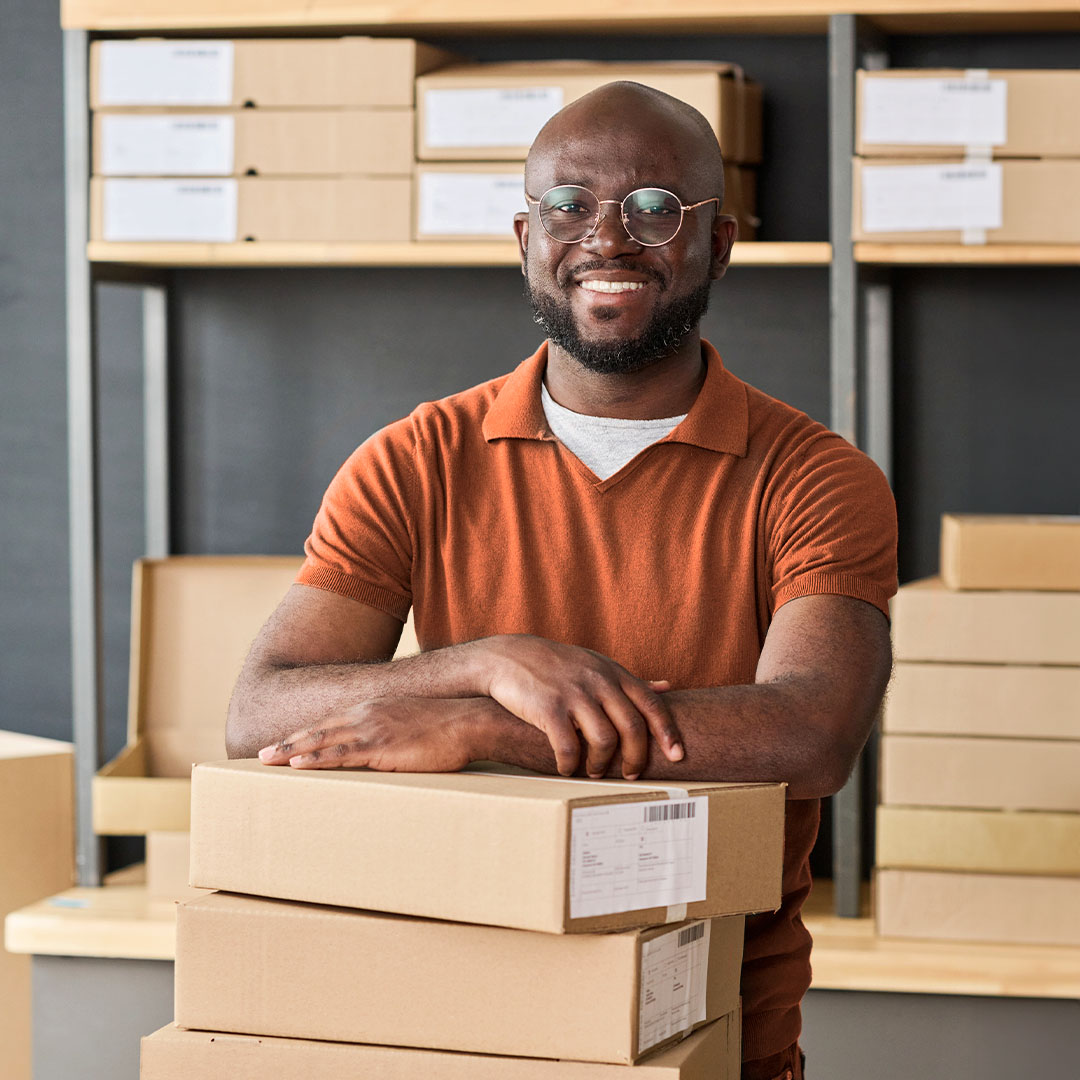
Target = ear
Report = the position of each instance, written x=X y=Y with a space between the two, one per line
x=725 y=230
x=521 y=231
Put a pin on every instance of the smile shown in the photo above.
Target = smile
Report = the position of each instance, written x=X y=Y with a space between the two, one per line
x=612 y=286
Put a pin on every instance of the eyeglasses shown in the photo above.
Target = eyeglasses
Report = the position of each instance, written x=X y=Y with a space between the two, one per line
x=652 y=216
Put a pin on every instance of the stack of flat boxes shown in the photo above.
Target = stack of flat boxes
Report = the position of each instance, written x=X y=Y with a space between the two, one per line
x=978 y=834
x=973 y=157
x=475 y=124
x=255 y=140
x=479 y=924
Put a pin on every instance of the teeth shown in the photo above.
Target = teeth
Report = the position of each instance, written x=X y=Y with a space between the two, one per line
x=612 y=286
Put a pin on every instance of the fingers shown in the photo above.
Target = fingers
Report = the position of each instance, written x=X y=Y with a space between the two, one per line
x=657 y=717
x=335 y=755
x=565 y=744
x=602 y=737
x=302 y=742
x=631 y=738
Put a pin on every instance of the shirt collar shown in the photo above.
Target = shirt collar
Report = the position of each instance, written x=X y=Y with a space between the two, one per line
x=718 y=420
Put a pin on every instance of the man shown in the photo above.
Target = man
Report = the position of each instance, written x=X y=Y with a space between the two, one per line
x=621 y=559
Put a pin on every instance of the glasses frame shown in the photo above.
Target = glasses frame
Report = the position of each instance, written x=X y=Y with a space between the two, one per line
x=621 y=203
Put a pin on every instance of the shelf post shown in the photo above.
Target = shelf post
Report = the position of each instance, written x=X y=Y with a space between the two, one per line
x=156 y=418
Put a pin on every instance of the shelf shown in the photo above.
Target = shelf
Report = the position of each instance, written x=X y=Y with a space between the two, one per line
x=965 y=255
x=419 y=254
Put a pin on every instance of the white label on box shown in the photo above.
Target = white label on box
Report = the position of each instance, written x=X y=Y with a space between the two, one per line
x=674 y=978
x=470 y=204
x=629 y=856
x=913 y=198
x=167 y=210
x=183 y=145
x=939 y=112
x=165 y=73
x=506 y=117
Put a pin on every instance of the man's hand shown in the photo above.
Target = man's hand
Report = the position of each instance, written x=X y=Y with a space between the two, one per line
x=563 y=689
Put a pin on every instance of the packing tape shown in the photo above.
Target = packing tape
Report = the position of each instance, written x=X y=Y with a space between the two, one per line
x=980 y=74
x=973 y=237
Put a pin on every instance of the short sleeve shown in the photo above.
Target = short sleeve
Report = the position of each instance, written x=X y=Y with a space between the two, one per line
x=832 y=526
x=361 y=544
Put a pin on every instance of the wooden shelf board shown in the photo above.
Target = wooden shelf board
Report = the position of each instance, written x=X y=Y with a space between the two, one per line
x=420 y=254
x=969 y=255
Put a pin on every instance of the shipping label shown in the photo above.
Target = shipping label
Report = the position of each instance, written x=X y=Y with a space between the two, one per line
x=470 y=204
x=165 y=73
x=170 y=210
x=479 y=117
x=914 y=198
x=934 y=112
x=182 y=145
x=674 y=978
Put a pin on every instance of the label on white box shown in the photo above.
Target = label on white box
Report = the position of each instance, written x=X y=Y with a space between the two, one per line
x=170 y=210
x=165 y=73
x=629 y=856
x=938 y=112
x=914 y=198
x=674 y=980
x=477 y=117
x=470 y=204
x=179 y=145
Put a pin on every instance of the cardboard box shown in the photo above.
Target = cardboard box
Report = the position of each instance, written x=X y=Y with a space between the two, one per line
x=371 y=209
x=37 y=853
x=943 y=111
x=1006 y=908
x=931 y=622
x=987 y=841
x=492 y=112
x=992 y=774
x=1010 y=551
x=1009 y=700
x=955 y=201
x=168 y=866
x=193 y=619
x=357 y=72
x=712 y=1053
x=263 y=142
x=273 y=967
x=499 y=847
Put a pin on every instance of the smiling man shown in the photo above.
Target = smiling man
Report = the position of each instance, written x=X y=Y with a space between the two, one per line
x=621 y=559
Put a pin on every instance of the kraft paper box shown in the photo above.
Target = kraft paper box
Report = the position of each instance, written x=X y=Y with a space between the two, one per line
x=1010 y=551
x=193 y=619
x=1004 y=908
x=931 y=622
x=988 y=841
x=370 y=209
x=168 y=866
x=499 y=847
x=1010 y=700
x=37 y=859
x=276 y=967
x=980 y=773
x=263 y=142
x=357 y=72
x=943 y=111
x=976 y=202
x=493 y=112
x=712 y=1053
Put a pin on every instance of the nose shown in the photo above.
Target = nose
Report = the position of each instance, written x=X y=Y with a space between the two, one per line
x=609 y=238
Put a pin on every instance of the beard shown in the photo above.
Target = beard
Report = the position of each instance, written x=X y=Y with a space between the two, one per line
x=663 y=335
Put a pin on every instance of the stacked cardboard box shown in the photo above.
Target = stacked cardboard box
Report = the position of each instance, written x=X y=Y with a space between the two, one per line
x=975 y=157
x=475 y=124
x=978 y=834
x=410 y=922
x=254 y=140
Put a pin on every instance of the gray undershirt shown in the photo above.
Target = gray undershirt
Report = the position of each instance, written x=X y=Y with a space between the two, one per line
x=603 y=443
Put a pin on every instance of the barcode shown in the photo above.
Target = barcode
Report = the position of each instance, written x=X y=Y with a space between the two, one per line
x=667 y=812
x=691 y=933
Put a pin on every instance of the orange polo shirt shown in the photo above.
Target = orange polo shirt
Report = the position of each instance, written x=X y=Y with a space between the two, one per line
x=472 y=512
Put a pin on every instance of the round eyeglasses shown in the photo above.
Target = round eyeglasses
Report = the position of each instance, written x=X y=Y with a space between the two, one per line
x=651 y=216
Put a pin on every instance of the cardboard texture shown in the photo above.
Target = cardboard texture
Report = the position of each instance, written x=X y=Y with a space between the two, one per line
x=987 y=841
x=1005 y=908
x=980 y=773
x=729 y=101
x=1040 y=204
x=274 y=967
x=168 y=866
x=193 y=619
x=1009 y=700
x=931 y=622
x=1035 y=102
x=1006 y=551
x=712 y=1053
x=37 y=854
x=357 y=72
x=267 y=142
x=495 y=847
x=363 y=210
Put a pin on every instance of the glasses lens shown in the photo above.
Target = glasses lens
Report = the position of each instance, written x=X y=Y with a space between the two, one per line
x=569 y=213
x=652 y=216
